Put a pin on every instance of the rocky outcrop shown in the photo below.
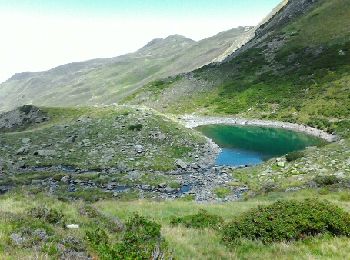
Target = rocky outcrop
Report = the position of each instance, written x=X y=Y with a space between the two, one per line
x=284 y=13
x=21 y=117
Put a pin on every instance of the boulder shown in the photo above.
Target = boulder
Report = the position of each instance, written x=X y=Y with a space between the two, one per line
x=17 y=239
x=139 y=148
x=281 y=164
x=26 y=140
x=22 y=151
x=169 y=190
x=180 y=164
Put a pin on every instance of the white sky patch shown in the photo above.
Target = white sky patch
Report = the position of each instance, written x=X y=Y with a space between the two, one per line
x=37 y=42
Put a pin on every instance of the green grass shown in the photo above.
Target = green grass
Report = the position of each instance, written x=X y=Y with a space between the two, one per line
x=104 y=133
x=305 y=80
x=317 y=162
x=185 y=243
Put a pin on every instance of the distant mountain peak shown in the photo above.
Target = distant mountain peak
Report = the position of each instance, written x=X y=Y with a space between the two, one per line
x=178 y=37
x=171 y=41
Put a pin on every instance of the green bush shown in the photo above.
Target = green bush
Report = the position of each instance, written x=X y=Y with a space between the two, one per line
x=288 y=221
x=140 y=240
x=326 y=180
x=99 y=241
x=136 y=127
x=48 y=215
x=222 y=192
x=26 y=109
x=345 y=196
x=294 y=156
x=200 y=220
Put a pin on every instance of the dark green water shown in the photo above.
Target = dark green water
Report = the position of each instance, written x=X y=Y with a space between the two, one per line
x=250 y=145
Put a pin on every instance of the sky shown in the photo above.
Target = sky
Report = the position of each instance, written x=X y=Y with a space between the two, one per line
x=37 y=35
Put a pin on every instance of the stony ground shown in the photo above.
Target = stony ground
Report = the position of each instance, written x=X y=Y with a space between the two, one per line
x=317 y=167
x=105 y=152
x=126 y=152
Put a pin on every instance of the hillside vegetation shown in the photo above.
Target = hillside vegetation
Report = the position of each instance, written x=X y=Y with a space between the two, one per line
x=106 y=81
x=298 y=72
x=131 y=182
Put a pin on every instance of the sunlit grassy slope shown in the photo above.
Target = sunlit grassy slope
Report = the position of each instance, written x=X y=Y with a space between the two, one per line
x=105 y=81
x=299 y=73
x=185 y=243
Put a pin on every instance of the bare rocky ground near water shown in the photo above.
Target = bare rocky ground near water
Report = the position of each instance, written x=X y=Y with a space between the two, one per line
x=112 y=151
x=79 y=152
x=192 y=121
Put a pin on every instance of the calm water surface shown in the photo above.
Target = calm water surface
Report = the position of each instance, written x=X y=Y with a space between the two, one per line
x=251 y=145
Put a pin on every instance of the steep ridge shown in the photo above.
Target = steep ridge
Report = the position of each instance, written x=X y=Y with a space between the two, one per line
x=296 y=69
x=284 y=13
x=105 y=81
x=237 y=46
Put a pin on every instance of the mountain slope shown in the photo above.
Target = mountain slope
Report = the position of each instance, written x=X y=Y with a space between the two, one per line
x=297 y=69
x=104 y=81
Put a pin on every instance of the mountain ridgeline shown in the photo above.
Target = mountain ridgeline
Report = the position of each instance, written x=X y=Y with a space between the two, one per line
x=136 y=181
x=105 y=81
x=295 y=69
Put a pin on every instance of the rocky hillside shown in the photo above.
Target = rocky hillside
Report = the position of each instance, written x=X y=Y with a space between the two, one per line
x=112 y=151
x=105 y=81
x=295 y=69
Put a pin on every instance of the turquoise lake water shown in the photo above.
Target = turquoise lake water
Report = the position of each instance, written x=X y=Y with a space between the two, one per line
x=251 y=145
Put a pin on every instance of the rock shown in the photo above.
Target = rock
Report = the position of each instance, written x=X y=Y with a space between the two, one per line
x=341 y=53
x=4 y=189
x=162 y=185
x=71 y=188
x=340 y=175
x=17 y=239
x=157 y=136
x=180 y=164
x=72 y=226
x=65 y=179
x=22 y=151
x=146 y=187
x=72 y=139
x=21 y=165
x=139 y=148
x=169 y=190
x=26 y=140
x=293 y=189
x=36 y=182
x=84 y=119
x=281 y=164
x=21 y=117
x=45 y=153
x=41 y=234
x=111 y=185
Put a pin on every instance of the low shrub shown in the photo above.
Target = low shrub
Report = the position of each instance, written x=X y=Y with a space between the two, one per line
x=345 y=196
x=136 y=127
x=200 y=220
x=293 y=156
x=99 y=241
x=288 y=221
x=222 y=192
x=48 y=215
x=140 y=240
x=326 y=180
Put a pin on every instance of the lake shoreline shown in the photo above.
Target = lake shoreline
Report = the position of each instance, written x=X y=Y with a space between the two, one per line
x=191 y=121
